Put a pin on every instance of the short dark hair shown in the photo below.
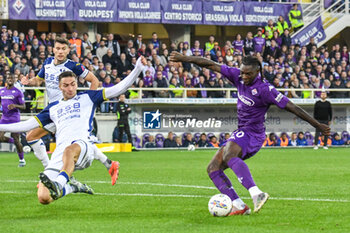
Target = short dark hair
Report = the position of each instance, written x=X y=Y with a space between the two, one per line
x=62 y=41
x=253 y=61
x=66 y=74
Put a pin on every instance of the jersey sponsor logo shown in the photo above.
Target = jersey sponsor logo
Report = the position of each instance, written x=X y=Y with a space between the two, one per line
x=7 y=97
x=246 y=100
x=279 y=97
x=68 y=109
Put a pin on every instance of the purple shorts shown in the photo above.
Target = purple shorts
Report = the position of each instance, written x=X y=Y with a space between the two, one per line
x=8 y=121
x=249 y=142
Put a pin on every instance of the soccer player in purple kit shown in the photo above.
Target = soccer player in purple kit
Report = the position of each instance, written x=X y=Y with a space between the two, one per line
x=255 y=95
x=12 y=100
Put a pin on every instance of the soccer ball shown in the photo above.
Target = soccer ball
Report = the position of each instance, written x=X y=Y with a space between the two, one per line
x=220 y=205
x=26 y=149
x=191 y=147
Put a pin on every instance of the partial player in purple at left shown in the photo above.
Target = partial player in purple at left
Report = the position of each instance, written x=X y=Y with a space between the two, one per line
x=12 y=100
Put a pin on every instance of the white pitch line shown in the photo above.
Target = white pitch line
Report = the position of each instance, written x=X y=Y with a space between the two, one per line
x=172 y=195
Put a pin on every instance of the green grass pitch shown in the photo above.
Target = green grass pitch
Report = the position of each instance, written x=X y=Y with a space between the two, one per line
x=168 y=191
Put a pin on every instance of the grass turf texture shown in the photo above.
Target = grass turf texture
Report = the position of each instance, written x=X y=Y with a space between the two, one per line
x=293 y=173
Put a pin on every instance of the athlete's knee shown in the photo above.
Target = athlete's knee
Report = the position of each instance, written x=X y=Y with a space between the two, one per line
x=212 y=167
x=44 y=195
x=31 y=137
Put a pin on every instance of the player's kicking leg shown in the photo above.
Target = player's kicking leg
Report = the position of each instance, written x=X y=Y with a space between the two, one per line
x=216 y=173
x=34 y=140
x=112 y=166
x=232 y=157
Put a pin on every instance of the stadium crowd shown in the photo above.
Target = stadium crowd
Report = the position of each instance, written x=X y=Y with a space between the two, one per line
x=284 y=65
x=210 y=140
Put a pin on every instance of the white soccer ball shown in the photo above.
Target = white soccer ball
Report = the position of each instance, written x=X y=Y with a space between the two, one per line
x=191 y=147
x=220 y=205
x=26 y=149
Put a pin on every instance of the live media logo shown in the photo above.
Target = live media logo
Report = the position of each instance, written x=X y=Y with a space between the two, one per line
x=152 y=120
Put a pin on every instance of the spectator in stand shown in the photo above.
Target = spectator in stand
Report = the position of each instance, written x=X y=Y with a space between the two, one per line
x=337 y=141
x=23 y=67
x=293 y=139
x=196 y=48
x=178 y=142
x=338 y=84
x=209 y=46
x=161 y=82
x=174 y=84
x=188 y=140
x=238 y=45
x=43 y=40
x=170 y=141
x=155 y=41
x=286 y=39
x=213 y=142
x=203 y=141
x=30 y=36
x=281 y=25
x=296 y=18
x=102 y=49
x=259 y=42
x=148 y=79
x=76 y=44
x=284 y=141
x=271 y=140
x=96 y=44
x=269 y=29
x=301 y=141
x=151 y=143
x=248 y=48
x=138 y=42
x=86 y=44
x=113 y=45
x=202 y=84
x=110 y=58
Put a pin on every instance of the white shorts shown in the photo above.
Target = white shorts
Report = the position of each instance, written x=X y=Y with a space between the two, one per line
x=85 y=159
x=50 y=127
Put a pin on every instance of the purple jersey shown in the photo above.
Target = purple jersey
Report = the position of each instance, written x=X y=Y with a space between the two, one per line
x=238 y=45
x=148 y=81
x=194 y=50
x=10 y=96
x=253 y=100
x=259 y=44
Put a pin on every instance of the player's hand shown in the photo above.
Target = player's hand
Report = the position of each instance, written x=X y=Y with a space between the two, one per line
x=25 y=80
x=176 y=56
x=141 y=61
x=324 y=129
x=11 y=106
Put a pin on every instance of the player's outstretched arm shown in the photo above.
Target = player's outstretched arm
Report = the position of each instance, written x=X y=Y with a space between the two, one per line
x=121 y=87
x=200 y=61
x=19 y=127
x=306 y=117
x=90 y=77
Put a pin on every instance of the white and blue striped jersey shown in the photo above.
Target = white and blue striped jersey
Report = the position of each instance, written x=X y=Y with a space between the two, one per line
x=50 y=72
x=73 y=117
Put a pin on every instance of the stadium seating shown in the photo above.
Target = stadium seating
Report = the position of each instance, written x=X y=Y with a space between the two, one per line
x=309 y=138
x=159 y=140
x=136 y=141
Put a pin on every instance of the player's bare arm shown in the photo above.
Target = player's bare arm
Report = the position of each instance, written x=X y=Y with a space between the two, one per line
x=36 y=81
x=200 y=61
x=19 y=106
x=306 y=117
x=90 y=77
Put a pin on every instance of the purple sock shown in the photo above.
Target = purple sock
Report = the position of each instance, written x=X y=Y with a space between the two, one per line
x=223 y=183
x=20 y=155
x=242 y=172
x=11 y=140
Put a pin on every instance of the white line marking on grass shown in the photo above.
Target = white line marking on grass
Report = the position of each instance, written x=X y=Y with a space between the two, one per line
x=171 y=195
